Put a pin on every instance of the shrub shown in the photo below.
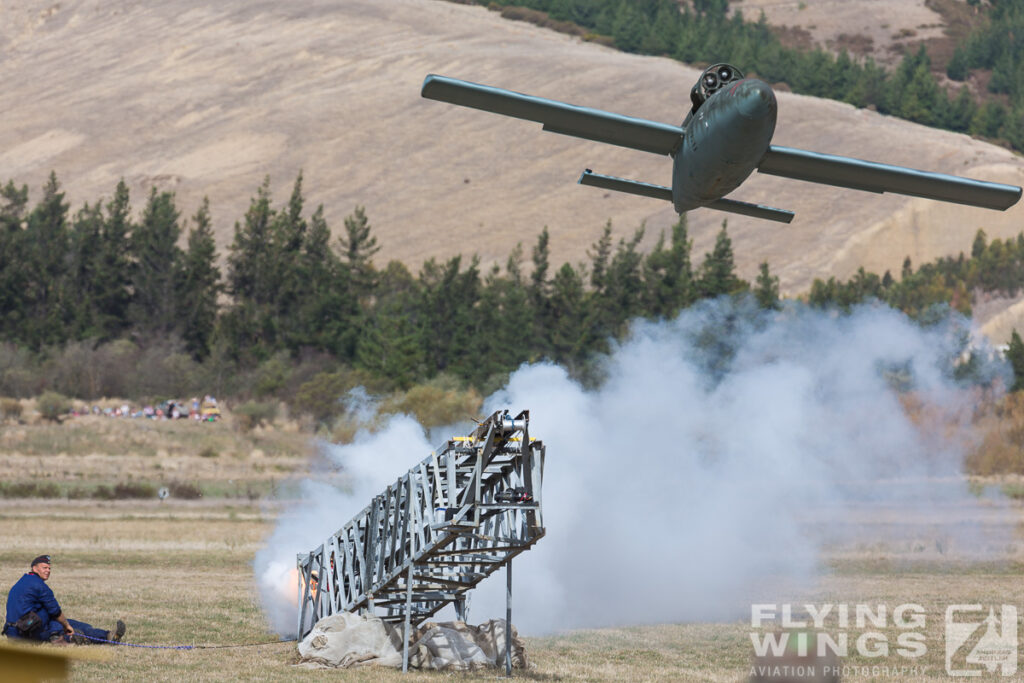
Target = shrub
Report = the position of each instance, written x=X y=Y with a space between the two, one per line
x=52 y=405
x=252 y=414
x=103 y=493
x=321 y=396
x=78 y=493
x=135 y=489
x=539 y=18
x=441 y=401
x=165 y=369
x=272 y=374
x=184 y=490
x=125 y=491
x=208 y=452
x=29 y=489
x=19 y=373
x=10 y=409
x=1000 y=450
x=73 y=370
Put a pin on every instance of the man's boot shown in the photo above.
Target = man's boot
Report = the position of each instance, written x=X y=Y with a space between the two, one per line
x=118 y=633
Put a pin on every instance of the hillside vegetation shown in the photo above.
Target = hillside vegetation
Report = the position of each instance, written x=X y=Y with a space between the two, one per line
x=105 y=304
x=250 y=89
x=84 y=296
x=707 y=33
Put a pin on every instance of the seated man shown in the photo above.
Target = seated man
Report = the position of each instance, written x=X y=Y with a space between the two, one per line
x=33 y=612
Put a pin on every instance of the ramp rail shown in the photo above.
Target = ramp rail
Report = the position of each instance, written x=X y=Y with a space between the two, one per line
x=445 y=525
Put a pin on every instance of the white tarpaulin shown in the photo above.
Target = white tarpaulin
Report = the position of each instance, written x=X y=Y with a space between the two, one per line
x=344 y=640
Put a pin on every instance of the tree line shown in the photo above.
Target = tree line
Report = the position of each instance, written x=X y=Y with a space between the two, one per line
x=103 y=278
x=706 y=33
x=995 y=267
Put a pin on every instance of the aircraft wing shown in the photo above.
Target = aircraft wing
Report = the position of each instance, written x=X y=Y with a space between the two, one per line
x=875 y=177
x=558 y=117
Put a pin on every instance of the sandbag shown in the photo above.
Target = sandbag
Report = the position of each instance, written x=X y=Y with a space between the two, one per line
x=344 y=640
x=457 y=646
x=348 y=640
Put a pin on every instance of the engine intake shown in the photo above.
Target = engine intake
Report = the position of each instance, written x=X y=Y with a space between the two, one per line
x=713 y=79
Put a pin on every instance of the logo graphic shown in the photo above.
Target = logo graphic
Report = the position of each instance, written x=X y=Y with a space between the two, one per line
x=976 y=643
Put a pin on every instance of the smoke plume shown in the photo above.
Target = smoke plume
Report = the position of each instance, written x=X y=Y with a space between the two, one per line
x=681 y=486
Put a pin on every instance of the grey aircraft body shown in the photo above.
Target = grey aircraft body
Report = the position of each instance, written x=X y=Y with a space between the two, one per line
x=725 y=137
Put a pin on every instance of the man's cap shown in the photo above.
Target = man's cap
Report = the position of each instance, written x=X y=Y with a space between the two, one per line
x=40 y=559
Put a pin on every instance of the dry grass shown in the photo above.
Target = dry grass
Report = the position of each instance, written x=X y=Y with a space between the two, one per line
x=87 y=452
x=180 y=573
x=1001 y=426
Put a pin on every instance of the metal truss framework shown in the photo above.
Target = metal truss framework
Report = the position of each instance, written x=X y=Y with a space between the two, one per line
x=440 y=529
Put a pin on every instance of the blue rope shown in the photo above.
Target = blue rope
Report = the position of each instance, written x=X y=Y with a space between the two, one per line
x=182 y=647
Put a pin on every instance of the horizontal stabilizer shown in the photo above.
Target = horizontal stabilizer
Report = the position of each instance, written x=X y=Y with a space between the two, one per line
x=870 y=176
x=768 y=213
x=558 y=117
x=609 y=182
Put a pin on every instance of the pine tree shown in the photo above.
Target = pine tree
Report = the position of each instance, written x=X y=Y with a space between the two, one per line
x=599 y=255
x=568 y=334
x=668 y=275
x=623 y=294
x=330 y=315
x=84 y=278
x=978 y=246
x=287 y=234
x=1015 y=354
x=767 y=290
x=718 y=272
x=200 y=285
x=541 y=262
x=510 y=334
x=449 y=330
x=12 y=261
x=46 y=265
x=248 y=326
x=156 y=273
x=358 y=248
x=113 y=286
x=250 y=261
x=390 y=341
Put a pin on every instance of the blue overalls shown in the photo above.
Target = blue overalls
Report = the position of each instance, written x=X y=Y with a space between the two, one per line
x=31 y=594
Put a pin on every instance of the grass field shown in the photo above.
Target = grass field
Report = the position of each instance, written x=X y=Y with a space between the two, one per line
x=179 y=572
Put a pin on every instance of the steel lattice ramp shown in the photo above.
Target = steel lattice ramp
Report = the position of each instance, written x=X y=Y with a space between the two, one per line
x=440 y=529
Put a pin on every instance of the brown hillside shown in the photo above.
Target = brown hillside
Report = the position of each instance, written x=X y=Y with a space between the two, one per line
x=206 y=99
x=881 y=29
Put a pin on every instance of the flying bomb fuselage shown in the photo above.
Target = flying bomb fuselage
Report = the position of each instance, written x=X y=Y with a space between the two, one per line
x=725 y=140
x=726 y=136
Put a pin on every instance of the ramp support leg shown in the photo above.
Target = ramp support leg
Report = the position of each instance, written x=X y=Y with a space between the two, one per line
x=508 y=618
x=461 y=608
x=408 y=619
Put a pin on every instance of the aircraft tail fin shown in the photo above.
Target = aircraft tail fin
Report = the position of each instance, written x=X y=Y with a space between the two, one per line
x=608 y=182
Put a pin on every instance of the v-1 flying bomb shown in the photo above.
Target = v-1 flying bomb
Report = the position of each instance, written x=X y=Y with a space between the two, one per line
x=725 y=137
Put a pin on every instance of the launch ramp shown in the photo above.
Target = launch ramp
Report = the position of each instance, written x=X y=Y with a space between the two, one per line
x=457 y=517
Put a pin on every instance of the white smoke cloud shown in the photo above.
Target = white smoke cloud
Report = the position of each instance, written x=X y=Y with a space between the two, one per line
x=681 y=486
x=371 y=462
